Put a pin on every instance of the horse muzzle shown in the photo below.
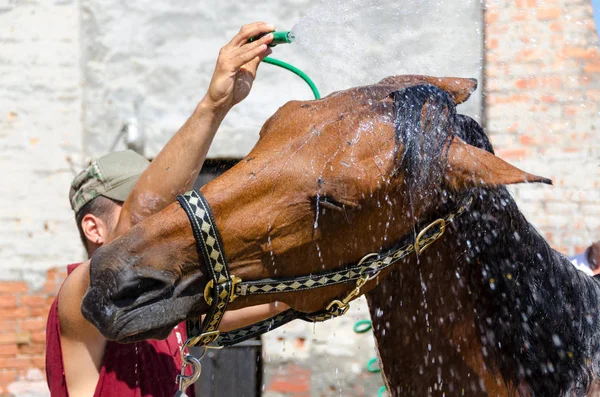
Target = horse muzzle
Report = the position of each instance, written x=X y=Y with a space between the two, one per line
x=128 y=305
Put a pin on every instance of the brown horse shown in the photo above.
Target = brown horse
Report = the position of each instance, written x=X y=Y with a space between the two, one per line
x=488 y=309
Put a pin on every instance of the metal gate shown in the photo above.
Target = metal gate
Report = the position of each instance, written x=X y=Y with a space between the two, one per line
x=231 y=372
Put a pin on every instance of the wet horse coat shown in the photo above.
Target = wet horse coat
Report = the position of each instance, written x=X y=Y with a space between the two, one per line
x=486 y=310
x=490 y=309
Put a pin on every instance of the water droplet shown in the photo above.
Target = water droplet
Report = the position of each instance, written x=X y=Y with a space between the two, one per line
x=556 y=340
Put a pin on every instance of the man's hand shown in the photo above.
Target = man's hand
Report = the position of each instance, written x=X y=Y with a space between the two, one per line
x=234 y=319
x=236 y=66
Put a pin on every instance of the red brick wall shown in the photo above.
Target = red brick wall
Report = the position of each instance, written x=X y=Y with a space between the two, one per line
x=289 y=380
x=23 y=315
x=542 y=102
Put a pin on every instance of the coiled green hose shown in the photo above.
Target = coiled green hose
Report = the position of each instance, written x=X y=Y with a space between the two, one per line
x=297 y=71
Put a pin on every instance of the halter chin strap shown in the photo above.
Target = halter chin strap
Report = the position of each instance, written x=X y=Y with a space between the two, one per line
x=224 y=287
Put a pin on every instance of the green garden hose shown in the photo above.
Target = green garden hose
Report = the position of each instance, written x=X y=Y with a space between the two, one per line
x=286 y=37
x=297 y=71
x=372 y=366
x=360 y=327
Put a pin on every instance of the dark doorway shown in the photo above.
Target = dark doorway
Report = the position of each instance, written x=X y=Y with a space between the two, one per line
x=235 y=371
x=212 y=168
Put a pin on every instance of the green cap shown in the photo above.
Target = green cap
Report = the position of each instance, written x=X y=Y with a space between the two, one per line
x=112 y=176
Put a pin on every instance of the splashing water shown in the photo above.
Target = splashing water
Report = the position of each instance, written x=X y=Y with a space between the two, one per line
x=352 y=42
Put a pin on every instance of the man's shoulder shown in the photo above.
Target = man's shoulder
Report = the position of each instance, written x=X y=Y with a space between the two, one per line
x=71 y=267
x=78 y=271
x=70 y=295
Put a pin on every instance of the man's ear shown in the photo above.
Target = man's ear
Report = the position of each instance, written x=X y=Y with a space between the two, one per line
x=94 y=228
x=470 y=166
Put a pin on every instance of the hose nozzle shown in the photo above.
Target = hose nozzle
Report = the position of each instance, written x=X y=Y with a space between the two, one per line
x=278 y=38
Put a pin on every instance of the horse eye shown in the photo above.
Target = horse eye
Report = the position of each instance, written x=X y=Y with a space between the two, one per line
x=329 y=203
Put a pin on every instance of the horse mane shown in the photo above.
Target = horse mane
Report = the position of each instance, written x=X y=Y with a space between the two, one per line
x=424 y=123
x=538 y=316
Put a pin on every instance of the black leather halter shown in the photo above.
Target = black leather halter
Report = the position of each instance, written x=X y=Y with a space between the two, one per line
x=224 y=287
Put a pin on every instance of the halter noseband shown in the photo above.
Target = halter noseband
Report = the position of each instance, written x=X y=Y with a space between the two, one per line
x=224 y=287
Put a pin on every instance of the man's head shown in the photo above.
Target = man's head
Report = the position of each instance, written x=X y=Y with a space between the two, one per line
x=98 y=193
x=593 y=256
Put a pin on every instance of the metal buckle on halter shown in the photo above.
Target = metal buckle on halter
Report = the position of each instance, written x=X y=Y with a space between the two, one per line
x=235 y=280
x=420 y=246
x=340 y=307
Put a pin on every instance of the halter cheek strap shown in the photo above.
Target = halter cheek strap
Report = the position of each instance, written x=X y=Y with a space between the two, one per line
x=210 y=248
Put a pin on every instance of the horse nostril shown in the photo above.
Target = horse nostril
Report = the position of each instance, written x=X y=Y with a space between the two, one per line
x=137 y=291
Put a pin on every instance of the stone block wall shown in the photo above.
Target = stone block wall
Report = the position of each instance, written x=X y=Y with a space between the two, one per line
x=152 y=61
x=325 y=359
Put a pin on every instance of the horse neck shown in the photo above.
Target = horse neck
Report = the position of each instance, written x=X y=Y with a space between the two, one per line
x=423 y=323
x=459 y=316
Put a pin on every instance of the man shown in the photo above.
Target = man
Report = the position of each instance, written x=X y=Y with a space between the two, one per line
x=111 y=196
x=589 y=260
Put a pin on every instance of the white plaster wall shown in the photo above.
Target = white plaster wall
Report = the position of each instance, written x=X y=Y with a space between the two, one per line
x=67 y=86
x=154 y=60
x=40 y=135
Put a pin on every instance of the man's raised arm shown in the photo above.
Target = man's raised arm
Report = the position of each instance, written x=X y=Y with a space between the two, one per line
x=176 y=167
x=172 y=172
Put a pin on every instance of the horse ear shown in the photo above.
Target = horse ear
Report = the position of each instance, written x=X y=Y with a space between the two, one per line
x=470 y=166
x=459 y=89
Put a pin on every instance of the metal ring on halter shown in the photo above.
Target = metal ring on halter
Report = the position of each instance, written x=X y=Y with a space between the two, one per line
x=360 y=262
x=194 y=341
x=421 y=246
x=204 y=350
x=372 y=276
x=185 y=355
x=186 y=381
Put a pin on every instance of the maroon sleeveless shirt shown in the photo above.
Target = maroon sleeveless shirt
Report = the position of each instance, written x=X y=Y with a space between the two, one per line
x=141 y=369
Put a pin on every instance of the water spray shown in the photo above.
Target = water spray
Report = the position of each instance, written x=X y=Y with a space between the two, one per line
x=283 y=37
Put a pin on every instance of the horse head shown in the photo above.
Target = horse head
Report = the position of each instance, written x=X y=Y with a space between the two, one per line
x=328 y=182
